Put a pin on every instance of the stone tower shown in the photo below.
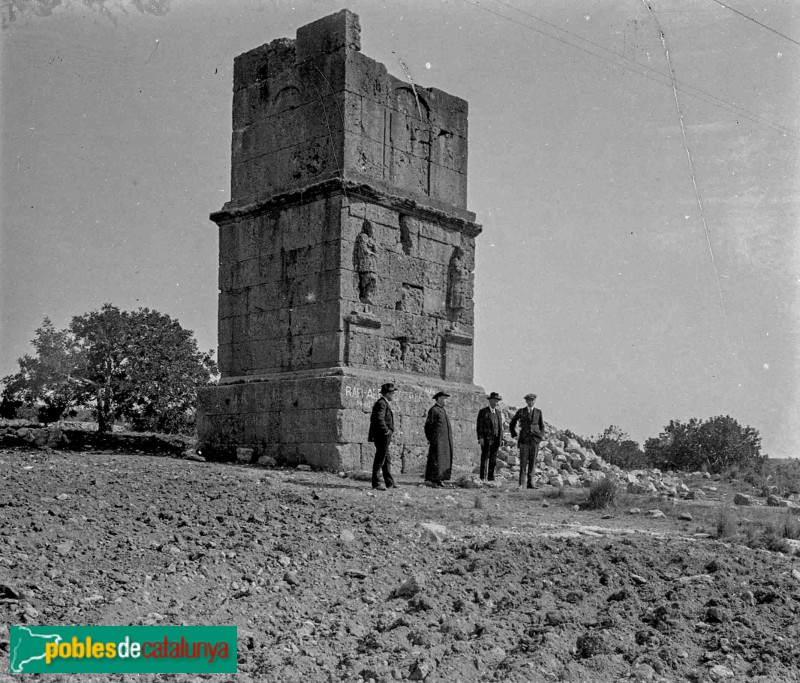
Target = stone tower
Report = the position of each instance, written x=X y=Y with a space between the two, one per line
x=346 y=258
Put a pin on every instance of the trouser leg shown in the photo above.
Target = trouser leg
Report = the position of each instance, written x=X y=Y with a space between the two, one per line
x=381 y=453
x=387 y=468
x=533 y=451
x=484 y=458
x=523 y=462
x=493 y=459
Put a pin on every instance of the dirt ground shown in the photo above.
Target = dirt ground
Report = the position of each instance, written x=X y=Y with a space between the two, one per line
x=328 y=580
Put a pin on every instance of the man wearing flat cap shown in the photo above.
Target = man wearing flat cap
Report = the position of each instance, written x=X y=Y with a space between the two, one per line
x=490 y=434
x=440 y=440
x=531 y=433
x=381 y=428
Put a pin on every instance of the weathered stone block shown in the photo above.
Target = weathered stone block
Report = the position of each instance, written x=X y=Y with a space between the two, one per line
x=337 y=31
x=367 y=78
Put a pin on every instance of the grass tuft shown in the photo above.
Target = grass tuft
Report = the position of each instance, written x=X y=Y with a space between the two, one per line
x=602 y=494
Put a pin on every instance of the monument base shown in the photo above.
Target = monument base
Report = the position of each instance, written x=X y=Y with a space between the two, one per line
x=321 y=418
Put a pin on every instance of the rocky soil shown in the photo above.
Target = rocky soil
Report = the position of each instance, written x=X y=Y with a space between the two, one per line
x=328 y=580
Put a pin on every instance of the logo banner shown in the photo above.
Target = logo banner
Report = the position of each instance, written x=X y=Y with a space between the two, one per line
x=122 y=649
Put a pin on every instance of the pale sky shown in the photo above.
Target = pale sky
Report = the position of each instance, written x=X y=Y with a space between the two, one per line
x=595 y=284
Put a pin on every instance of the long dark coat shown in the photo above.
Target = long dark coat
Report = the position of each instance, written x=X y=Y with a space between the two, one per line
x=440 y=451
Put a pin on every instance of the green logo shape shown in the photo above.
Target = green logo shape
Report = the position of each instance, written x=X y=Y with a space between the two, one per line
x=123 y=649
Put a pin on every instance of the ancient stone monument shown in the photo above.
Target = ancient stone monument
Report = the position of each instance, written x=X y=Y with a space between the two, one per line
x=346 y=258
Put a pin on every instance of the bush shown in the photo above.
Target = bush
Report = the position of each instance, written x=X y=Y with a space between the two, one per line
x=715 y=445
x=602 y=494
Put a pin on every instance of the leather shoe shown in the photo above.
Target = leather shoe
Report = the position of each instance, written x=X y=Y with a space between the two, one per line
x=379 y=487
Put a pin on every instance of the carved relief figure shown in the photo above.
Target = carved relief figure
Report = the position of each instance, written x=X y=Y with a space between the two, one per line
x=365 y=262
x=457 y=284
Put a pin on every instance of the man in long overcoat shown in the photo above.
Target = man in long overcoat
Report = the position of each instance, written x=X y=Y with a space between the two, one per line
x=531 y=433
x=490 y=434
x=440 y=440
x=381 y=429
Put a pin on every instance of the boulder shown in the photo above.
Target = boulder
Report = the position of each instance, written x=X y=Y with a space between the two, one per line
x=267 y=461
x=433 y=533
x=556 y=480
x=742 y=499
x=469 y=481
x=410 y=587
x=776 y=502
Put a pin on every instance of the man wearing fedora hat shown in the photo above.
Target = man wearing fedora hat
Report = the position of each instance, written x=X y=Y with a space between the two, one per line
x=490 y=434
x=381 y=428
x=440 y=439
x=531 y=432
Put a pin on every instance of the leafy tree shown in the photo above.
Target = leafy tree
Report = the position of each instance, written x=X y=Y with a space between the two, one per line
x=715 y=444
x=50 y=379
x=617 y=448
x=140 y=365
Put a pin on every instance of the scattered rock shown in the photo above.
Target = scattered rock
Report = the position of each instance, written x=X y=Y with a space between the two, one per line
x=303 y=468
x=433 y=533
x=291 y=578
x=685 y=516
x=742 y=499
x=347 y=536
x=421 y=669
x=267 y=461
x=356 y=574
x=656 y=514
x=718 y=672
x=64 y=548
x=469 y=481
x=635 y=511
x=410 y=587
x=9 y=594
x=590 y=645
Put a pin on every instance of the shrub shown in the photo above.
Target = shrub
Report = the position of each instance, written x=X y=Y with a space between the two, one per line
x=726 y=525
x=602 y=494
x=717 y=444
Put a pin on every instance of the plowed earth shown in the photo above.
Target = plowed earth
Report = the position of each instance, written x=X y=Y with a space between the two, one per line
x=328 y=580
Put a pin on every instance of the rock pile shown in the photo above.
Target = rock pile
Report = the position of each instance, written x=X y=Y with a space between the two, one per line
x=562 y=461
x=76 y=437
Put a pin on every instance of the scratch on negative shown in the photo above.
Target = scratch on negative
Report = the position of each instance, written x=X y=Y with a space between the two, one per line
x=688 y=156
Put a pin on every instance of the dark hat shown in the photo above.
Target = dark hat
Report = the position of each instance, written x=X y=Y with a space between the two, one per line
x=388 y=388
x=527 y=396
x=441 y=393
x=494 y=394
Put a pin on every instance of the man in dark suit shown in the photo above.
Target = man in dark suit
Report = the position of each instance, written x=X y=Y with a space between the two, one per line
x=490 y=434
x=381 y=428
x=531 y=433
